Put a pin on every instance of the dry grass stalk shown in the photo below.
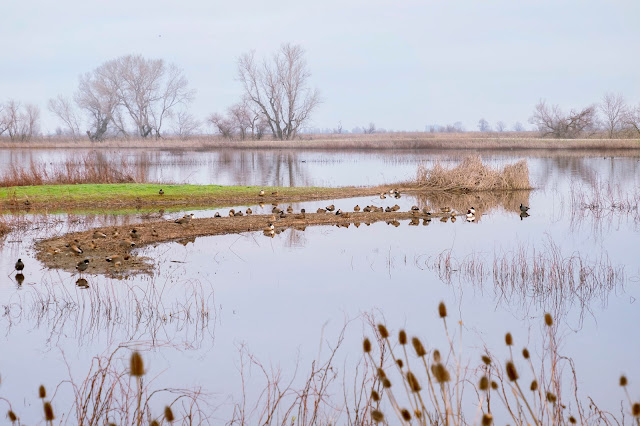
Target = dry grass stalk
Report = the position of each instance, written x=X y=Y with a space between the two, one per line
x=94 y=167
x=472 y=175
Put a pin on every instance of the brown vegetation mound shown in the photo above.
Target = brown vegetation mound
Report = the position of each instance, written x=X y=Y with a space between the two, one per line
x=473 y=175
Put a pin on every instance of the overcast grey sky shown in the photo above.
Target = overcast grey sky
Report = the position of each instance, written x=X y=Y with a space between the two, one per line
x=399 y=64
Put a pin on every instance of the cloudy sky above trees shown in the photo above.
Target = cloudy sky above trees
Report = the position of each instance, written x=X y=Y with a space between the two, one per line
x=401 y=65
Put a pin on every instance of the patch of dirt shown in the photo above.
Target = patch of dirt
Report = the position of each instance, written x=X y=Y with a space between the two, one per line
x=119 y=244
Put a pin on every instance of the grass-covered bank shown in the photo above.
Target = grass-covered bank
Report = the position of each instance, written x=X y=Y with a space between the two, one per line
x=147 y=194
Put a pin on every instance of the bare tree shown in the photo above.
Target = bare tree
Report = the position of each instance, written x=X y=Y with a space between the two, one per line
x=483 y=125
x=338 y=130
x=552 y=122
x=65 y=111
x=370 y=129
x=99 y=100
x=279 y=89
x=185 y=125
x=21 y=123
x=222 y=125
x=632 y=119
x=518 y=127
x=501 y=126
x=614 y=109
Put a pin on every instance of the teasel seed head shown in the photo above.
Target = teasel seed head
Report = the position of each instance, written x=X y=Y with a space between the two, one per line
x=484 y=383
x=375 y=395
x=168 y=414
x=572 y=420
x=417 y=413
x=487 y=419
x=381 y=374
x=400 y=363
x=377 y=416
x=42 y=392
x=386 y=383
x=551 y=397
x=508 y=339
x=417 y=346
x=12 y=416
x=525 y=353
x=154 y=423
x=366 y=345
x=486 y=360
x=623 y=381
x=384 y=333
x=534 y=386
x=436 y=356
x=548 y=319
x=494 y=385
x=413 y=382
x=137 y=365
x=512 y=373
x=635 y=409
x=442 y=310
x=440 y=372
x=406 y=415
x=48 y=412
x=402 y=337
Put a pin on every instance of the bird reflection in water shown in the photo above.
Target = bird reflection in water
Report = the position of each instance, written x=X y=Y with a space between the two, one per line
x=82 y=283
x=19 y=278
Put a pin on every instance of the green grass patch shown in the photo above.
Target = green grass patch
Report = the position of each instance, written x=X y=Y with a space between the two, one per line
x=143 y=191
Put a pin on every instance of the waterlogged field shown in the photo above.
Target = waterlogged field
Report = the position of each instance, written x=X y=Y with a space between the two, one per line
x=257 y=329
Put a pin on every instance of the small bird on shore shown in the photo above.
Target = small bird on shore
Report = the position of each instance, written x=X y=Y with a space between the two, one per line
x=238 y=213
x=356 y=208
x=426 y=211
x=330 y=208
x=185 y=219
x=274 y=193
x=282 y=215
x=154 y=232
x=249 y=211
x=289 y=209
x=415 y=208
x=453 y=219
x=217 y=214
x=261 y=193
x=445 y=209
x=382 y=196
x=367 y=209
x=339 y=212
x=161 y=192
x=523 y=209
x=19 y=265
x=98 y=234
x=321 y=211
x=82 y=266
x=472 y=210
x=75 y=248
x=232 y=213
x=126 y=244
x=388 y=209
x=114 y=258
x=134 y=234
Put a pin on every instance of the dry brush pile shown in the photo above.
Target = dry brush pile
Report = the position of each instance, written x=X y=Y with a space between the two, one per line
x=472 y=175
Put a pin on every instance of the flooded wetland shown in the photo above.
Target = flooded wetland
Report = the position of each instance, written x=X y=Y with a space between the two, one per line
x=243 y=323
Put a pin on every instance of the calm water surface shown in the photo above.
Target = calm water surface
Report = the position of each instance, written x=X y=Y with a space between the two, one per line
x=285 y=299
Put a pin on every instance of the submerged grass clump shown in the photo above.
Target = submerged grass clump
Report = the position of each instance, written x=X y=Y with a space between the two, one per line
x=473 y=175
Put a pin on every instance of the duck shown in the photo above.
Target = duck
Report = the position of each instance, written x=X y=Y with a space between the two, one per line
x=19 y=265
x=366 y=209
x=426 y=221
x=282 y=215
x=92 y=245
x=472 y=210
x=275 y=210
x=289 y=209
x=249 y=211
x=134 y=234
x=471 y=219
x=382 y=196
x=471 y=213
x=321 y=211
x=185 y=219
x=523 y=208
x=445 y=209
x=330 y=208
x=232 y=213
x=339 y=212
x=126 y=244
x=98 y=234
x=274 y=193
x=523 y=215
x=161 y=192
x=356 y=208
x=82 y=266
x=303 y=211
x=270 y=226
x=426 y=211
x=154 y=232
x=75 y=248
x=114 y=258
x=414 y=222
x=395 y=208
x=217 y=214
x=453 y=219
x=261 y=193
x=415 y=208
x=388 y=209
x=272 y=218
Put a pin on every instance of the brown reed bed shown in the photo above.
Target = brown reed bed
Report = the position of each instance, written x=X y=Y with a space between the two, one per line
x=472 y=175
x=394 y=141
x=422 y=385
x=94 y=167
